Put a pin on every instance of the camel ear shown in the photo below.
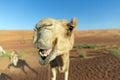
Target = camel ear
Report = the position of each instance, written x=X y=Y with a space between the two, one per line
x=72 y=24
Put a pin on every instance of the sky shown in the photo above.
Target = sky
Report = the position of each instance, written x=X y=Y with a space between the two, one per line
x=90 y=14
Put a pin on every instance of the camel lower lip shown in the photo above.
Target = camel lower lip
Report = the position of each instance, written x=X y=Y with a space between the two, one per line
x=43 y=57
x=44 y=60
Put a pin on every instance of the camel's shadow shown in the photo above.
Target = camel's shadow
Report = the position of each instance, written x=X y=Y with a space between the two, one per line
x=4 y=76
x=21 y=64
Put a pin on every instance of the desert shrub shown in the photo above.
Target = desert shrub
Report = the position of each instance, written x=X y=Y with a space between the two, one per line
x=79 y=46
x=4 y=55
x=20 y=53
x=114 y=52
x=83 y=54
x=76 y=46
x=89 y=46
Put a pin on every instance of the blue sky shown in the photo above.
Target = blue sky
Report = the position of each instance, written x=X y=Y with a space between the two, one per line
x=91 y=14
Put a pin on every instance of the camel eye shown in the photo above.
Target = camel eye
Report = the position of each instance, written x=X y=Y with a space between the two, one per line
x=47 y=24
x=70 y=28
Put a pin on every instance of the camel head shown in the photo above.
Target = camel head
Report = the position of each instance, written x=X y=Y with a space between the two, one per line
x=53 y=38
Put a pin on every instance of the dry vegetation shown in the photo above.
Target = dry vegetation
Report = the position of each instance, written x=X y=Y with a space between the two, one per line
x=99 y=49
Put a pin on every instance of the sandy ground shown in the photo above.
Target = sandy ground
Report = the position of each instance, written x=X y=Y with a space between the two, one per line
x=101 y=67
x=94 y=67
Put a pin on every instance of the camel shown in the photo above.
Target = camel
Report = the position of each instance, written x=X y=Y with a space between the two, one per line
x=54 y=39
x=2 y=51
x=14 y=57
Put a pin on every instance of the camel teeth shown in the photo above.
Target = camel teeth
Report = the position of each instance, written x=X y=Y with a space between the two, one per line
x=41 y=54
x=44 y=55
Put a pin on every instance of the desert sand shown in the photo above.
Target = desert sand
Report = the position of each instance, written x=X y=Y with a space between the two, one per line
x=98 y=65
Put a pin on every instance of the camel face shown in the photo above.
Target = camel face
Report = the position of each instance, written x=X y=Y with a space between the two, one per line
x=53 y=38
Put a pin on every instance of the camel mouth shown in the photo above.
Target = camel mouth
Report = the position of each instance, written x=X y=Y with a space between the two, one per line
x=44 y=53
